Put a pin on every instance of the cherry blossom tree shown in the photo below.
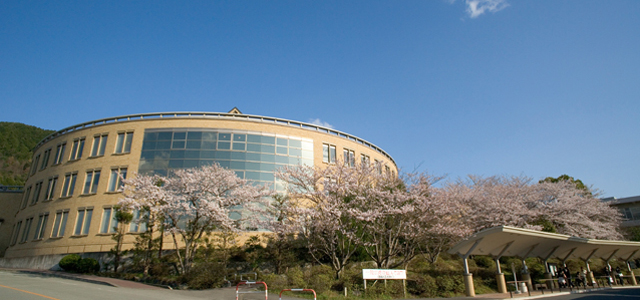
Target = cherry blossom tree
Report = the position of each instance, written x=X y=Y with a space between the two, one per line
x=558 y=206
x=322 y=210
x=194 y=202
x=577 y=211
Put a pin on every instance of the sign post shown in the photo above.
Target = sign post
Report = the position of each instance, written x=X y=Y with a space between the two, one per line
x=385 y=274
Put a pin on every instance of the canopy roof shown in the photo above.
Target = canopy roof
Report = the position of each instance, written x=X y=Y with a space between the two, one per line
x=523 y=243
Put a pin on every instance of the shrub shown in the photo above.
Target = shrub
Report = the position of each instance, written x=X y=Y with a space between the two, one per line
x=88 y=265
x=74 y=263
x=70 y=262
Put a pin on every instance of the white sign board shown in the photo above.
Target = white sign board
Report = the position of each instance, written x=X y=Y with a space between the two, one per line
x=383 y=274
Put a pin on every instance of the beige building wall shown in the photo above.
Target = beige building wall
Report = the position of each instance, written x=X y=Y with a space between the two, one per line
x=97 y=242
x=10 y=204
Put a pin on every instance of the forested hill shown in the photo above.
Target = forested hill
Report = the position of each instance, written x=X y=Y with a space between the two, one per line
x=16 y=142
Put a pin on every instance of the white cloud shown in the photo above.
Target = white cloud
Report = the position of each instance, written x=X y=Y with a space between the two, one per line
x=476 y=8
x=320 y=123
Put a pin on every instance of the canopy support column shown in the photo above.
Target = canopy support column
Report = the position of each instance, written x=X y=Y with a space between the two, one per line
x=468 y=277
x=547 y=271
x=525 y=270
x=633 y=276
x=590 y=277
x=500 y=280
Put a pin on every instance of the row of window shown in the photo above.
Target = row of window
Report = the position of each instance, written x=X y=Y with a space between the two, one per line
x=348 y=157
x=92 y=178
x=122 y=146
x=109 y=224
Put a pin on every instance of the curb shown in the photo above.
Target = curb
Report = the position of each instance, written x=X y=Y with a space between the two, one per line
x=65 y=276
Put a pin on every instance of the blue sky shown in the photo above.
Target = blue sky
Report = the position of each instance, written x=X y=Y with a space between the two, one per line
x=487 y=87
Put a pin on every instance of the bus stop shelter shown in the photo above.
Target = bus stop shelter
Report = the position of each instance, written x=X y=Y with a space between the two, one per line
x=500 y=241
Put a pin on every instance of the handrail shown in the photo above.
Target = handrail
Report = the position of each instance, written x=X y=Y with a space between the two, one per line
x=214 y=115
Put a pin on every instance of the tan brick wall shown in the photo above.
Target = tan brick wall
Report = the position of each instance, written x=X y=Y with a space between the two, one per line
x=95 y=242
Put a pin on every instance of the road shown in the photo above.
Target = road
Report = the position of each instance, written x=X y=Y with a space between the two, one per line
x=22 y=286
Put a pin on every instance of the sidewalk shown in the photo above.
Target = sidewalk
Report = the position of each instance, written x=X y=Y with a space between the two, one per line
x=87 y=278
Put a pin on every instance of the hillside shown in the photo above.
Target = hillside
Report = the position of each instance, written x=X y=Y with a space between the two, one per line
x=16 y=142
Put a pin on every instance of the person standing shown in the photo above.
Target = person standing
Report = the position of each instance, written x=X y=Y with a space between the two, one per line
x=619 y=274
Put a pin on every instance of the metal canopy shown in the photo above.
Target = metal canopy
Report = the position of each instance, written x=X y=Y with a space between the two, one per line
x=523 y=243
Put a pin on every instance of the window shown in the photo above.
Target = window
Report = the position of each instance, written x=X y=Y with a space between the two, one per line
x=48 y=195
x=364 y=159
x=91 y=182
x=83 y=221
x=69 y=185
x=45 y=159
x=36 y=193
x=109 y=221
x=139 y=221
x=34 y=165
x=27 y=228
x=25 y=199
x=123 y=143
x=99 y=143
x=378 y=165
x=115 y=180
x=349 y=157
x=76 y=149
x=328 y=153
x=60 y=223
x=42 y=224
x=16 y=232
x=59 y=153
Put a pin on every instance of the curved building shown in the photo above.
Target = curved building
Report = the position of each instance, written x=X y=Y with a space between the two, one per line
x=66 y=206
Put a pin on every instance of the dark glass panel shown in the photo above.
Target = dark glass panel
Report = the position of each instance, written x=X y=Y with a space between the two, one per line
x=252 y=175
x=253 y=147
x=224 y=163
x=267 y=176
x=267 y=158
x=150 y=136
x=192 y=154
x=224 y=145
x=252 y=166
x=176 y=164
x=237 y=165
x=281 y=150
x=252 y=138
x=271 y=140
x=282 y=159
x=191 y=163
x=267 y=149
x=253 y=156
x=165 y=135
x=207 y=154
x=238 y=155
x=224 y=136
x=148 y=155
x=240 y=174
x=267 y=167
x=239 y=137
x=177 y=145
x=238 y=146
x=193 y=144
x=194 y=135
x=209 y=136
x=282 y=142
x=223 y=155
x=179 y=135
x=163 y=145
x=148 y=145
x=177 y=154
x=209 y=145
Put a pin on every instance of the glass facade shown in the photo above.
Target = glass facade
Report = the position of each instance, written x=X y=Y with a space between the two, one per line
x=252 y=155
